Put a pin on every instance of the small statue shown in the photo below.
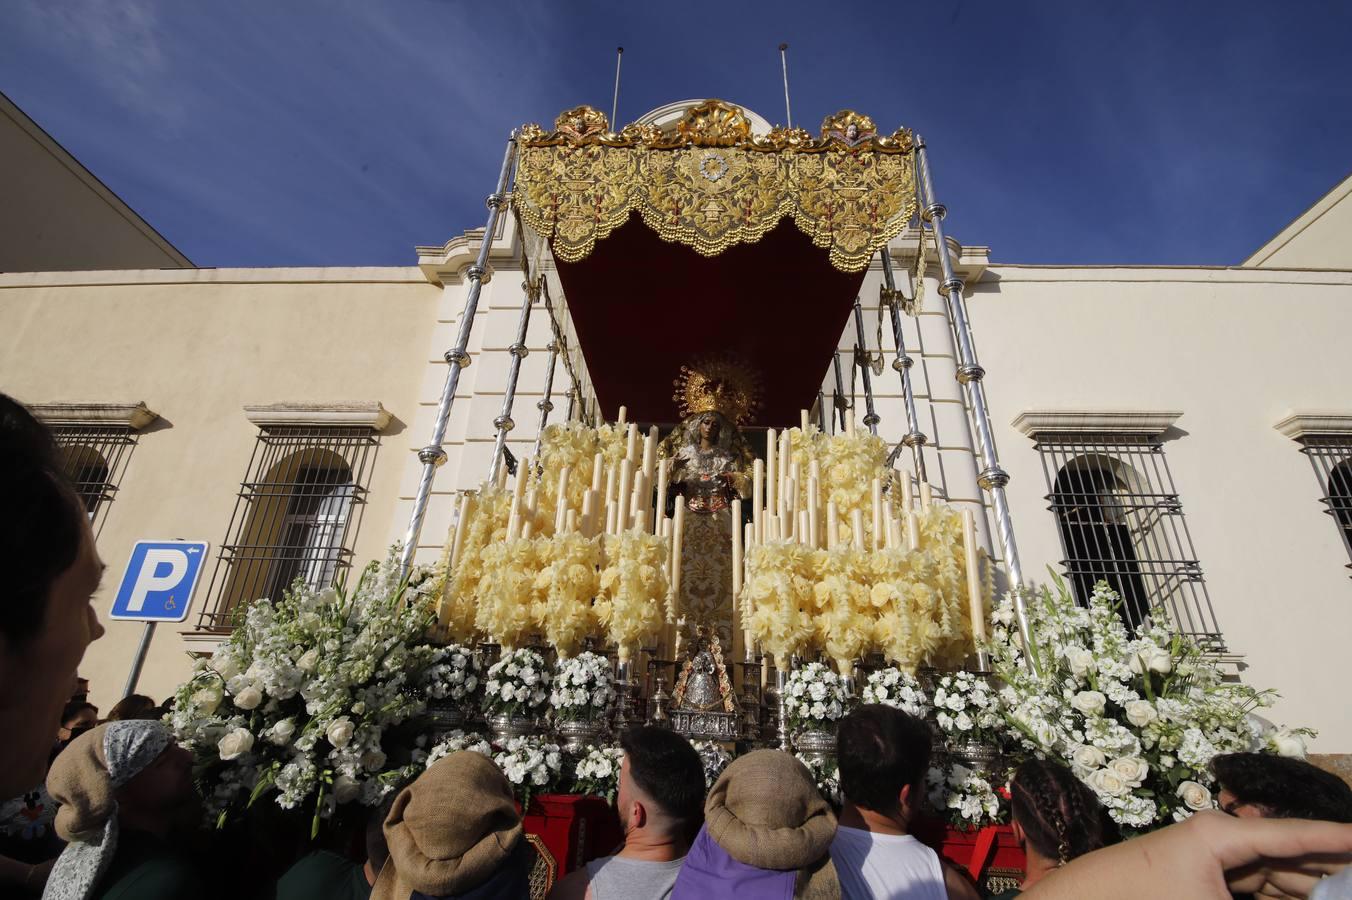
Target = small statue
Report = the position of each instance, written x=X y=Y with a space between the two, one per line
x=703 y=704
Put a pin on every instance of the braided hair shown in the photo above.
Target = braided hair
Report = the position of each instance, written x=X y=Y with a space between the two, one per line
x=1060 y=815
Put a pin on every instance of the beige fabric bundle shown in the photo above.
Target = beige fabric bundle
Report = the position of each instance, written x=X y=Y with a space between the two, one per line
x=765 y=811
x=450 y=830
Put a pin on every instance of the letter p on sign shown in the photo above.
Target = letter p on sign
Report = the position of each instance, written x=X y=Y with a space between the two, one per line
x=159 y=581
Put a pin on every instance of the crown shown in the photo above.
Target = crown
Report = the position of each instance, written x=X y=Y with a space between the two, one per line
x=723 y=384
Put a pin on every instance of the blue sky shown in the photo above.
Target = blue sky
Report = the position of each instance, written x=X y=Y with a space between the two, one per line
x=298 y=132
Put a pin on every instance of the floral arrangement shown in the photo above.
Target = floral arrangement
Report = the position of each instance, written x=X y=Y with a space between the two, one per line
x=582 y=687
x=506 y=590
x=893 y=687
x=598 y=772
x=454 y=674
x=848 y=463
x=486 y=526
x=966 y=798
x=532 y=764
x=778 y=598
x=634 y=597
x=715 y=759
x=1137 y=715
x=456 y=741
x=825 y=772
x=814 y=697
x=518 y=685
x=298 y=702
x=566 y=580
x=968 y=710
x=575 y=445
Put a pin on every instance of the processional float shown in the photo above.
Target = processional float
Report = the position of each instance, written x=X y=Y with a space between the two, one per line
x=742 y=518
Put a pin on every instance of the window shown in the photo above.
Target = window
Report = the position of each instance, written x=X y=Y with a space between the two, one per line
x=296 y=515
x=96 y=441
x=1331 y=456
x=1121 y=521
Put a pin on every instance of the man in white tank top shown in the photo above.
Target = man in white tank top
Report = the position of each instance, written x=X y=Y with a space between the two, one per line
x=883 y=754
x=661 y=806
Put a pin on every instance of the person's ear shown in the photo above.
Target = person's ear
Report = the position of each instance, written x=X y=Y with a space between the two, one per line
x=638 y=816
x=1017 y=829
x=904 y=798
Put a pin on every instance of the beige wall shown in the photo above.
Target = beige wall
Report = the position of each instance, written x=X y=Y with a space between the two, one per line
x=56 y=216
x=1320 y=238
x=197 y=346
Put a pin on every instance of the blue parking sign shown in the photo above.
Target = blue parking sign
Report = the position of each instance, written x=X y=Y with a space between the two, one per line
x=159 y=581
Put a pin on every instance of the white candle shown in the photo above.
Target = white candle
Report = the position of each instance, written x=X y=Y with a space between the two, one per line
x=514 y=518
x=589 y=504
x=814 y=525
x=663 y=474
x=598 y=466
x=785 y=459
x=889 y=526
x=926 y=495
x=641 y=520
x=612 y=517
x=561 y=508
x=622 y=493
x=802 y=420
x=906 y=498
x=893 y=534
x=771 y=471
x=624 y=413
x=912 y=531
x=502 y=477
x=736 y=556
x=976 y=603
x=857 y=526
x=758 y=499
x=650 y=453
x=462 y=530
x=519 y=489
x=631 y=443
x=612 y=474
x=877 y=499
x=832 y=524
x=677 y=537
x=849 y=423
x=804 y=532
x=527 y=529
x=749 y=535
x=570 y=521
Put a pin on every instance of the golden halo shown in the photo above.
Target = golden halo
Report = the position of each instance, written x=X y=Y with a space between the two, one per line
x=722 y=383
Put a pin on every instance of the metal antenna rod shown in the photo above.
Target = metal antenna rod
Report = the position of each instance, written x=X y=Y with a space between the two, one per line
x=914 y=437
x=432 y=456
x=784 y=64
x=861 y=350
x=991 y=477
x=615 y=103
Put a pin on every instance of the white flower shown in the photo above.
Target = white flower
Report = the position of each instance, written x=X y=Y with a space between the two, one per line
x=1087 y=759
x=309 y=661
x=1288 y=744
x=236 y=743
x=1195 y=796
x=249 y=698
x=1131 y=769
x=1107 y=782
x=1091 y=703
x=345 y=789
x=281 y=731
x=1141 y=713
x=1080 y=660
x=507 y=693
x=1151 y=658
x=372 y=760
x=205 y=700
x=340 y=732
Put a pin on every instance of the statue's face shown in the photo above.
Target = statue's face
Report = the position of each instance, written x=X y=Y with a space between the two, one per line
x=709 y=428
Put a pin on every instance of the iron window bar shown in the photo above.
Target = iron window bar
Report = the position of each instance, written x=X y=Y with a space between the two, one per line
x=296 y=516
x=95 y=457
x=1120 y=520
x=1331 y=457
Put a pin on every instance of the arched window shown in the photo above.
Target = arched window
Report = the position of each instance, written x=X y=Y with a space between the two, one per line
x=95 y=458
x=295 y=518
x=1121 y=521
x=1331 y=456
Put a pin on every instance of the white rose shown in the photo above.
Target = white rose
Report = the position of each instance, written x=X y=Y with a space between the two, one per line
x=345 y=789
x=1087 y=758
x=237 y=742
x=1131 y=769
x=226 y=665
x=1288 y=744
x=309 y=661
x=1106 y=781
x=1091 y=703
x=372 y=760
x=1046 y=735
x=1141 y=713
x=249 y=698
x=207 y=699
x=1194 y=796
x=1080 y=660
x=507 y=693
x=339 y=732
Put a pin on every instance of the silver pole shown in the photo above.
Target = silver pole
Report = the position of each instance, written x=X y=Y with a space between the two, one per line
x=991 y=477
x=615 y=103
x=139 y=660
x=519 y=352
x=861 y=347
x=546 y=405
x=432 y=456
x=784 y=63
x=914 y=438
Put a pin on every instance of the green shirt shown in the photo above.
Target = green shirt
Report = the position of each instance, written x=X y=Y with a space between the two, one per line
x=323 y=875
x=145 y=868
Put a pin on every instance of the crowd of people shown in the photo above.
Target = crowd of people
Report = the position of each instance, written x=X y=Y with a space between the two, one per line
x=108 y=809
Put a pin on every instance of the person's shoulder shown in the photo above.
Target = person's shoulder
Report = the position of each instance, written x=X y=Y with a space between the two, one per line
x=573 y=886
x=322 y=874
x=161 y=878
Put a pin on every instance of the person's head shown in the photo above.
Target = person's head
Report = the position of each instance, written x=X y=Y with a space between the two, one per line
x=1055 y=814
x=134 y=706
x=46 y=618
x=1278 y=787
x=661 y=783
x=77 y=718
x=883 y=754
x=452 y=830
x=81 y=689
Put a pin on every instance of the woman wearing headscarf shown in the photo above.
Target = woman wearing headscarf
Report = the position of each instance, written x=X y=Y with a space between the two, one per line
x=767 y=835
x=125 y=790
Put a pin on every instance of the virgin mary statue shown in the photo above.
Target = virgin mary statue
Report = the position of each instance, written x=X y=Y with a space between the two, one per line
x=710 y=467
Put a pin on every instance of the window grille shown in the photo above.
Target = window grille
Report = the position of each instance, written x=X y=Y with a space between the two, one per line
x=296 y=516
x=1331 y=456
x=95 y=458
x=1121 y=521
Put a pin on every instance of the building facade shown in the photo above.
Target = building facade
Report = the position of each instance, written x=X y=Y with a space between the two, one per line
x=1184 y=432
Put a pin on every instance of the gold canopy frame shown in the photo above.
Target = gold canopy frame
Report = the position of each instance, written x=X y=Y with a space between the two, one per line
x=711 y=184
